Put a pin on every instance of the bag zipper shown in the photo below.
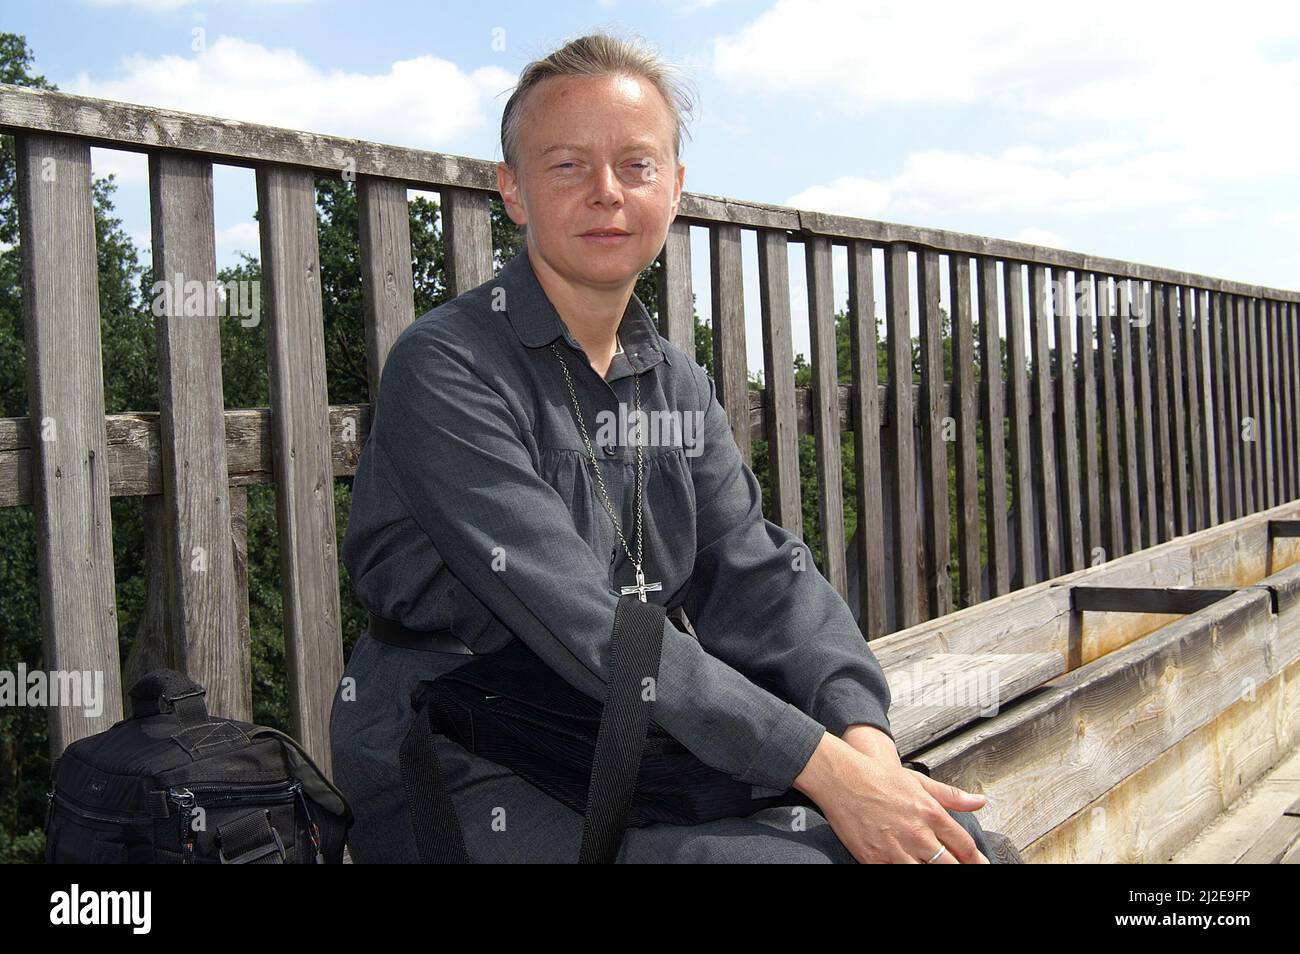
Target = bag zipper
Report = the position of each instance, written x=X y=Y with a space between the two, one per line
x=186 y=801
x=78 y=808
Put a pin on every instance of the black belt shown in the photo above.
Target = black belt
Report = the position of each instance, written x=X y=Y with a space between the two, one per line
x=433 y=640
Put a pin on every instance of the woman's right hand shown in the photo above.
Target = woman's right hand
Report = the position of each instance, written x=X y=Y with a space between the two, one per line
x=885 y=813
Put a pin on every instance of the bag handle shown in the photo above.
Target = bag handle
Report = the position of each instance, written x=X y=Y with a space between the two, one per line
x=166 y=690
x=620 y=740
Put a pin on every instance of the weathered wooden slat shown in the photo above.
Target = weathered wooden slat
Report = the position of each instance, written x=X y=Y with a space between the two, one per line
x=1267 y=348
x=1235 y=365
x=1145 y=599
x=1293 y=360
x=1018 y=410
x=730 y=363
x=1286 y=414
x=1131 y=418
x=1277 y=404
x=65 y=393
x=1258 y=404
x=991 y=416
x=301 y=440
x=1163 y=411
x=1246 y=423
x=1277 y=840
x=197 y=557
x=1110 y=423
x=1067 y=437
x=676 y=300
x=467 y=231
x=129 y=126
x=782 y=434
x=1221 y=354
x=1044 y=431
x=825 y=380
x=899 y=410
x=1204 y=463
x=1146 y=431
x=866 y=423
x=1090 y=729
x=387 y=282
x=1094 y=547
x=935 y=432
x=1178 y=398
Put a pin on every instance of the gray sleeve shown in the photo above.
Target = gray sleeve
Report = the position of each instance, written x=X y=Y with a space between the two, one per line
x=452 y=450
x=758 y=602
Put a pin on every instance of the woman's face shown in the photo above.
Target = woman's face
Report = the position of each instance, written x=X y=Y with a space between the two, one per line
x=594 y=153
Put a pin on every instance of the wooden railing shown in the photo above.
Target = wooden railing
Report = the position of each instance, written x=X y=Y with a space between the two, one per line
x=1178 y=412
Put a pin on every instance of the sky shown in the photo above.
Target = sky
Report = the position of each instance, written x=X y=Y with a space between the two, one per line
x=1153 y=132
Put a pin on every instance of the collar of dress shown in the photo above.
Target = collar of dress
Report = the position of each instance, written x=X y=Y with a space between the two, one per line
x=537 y=323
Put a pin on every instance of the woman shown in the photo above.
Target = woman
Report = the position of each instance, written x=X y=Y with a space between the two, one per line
x=490 y=503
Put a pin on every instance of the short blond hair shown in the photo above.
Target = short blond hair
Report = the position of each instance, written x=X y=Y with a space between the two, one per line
x=598 y=54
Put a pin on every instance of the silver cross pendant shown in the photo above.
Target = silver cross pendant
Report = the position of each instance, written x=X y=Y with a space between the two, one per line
x=641 y=587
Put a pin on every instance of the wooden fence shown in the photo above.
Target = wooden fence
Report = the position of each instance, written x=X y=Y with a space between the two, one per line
x=1177 y=413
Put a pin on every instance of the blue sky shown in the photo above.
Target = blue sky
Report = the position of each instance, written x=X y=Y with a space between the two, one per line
x=1158 y=133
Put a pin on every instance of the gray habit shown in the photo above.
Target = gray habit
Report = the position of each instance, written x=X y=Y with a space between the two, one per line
x=475 y=510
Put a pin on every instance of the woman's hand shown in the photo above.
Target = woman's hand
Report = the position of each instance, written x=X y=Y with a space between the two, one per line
x=881 y=811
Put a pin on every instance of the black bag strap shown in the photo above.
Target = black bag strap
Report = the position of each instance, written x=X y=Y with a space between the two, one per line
x=620 y=740
x=250 y=839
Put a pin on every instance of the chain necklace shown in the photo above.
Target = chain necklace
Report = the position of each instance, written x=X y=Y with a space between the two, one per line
x=641 y=587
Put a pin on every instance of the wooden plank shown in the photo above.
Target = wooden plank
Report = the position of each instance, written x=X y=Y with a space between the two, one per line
x=1018 y=410
x=1145 y=599
x=1207 y=459
x=197 y=556
x=937 y=429
x=676 y=298
x=991 y=416
x=1293 y=362
x=1191 y=370
x=1287 y=407
x=1146 y=431
x=1067 y=438
x=1267 y=348
x=140 y=128
x=1088 y=730
x=387 y=282
x=1111 y=416
x=902 y=460
x=873 y=617
x=963 y=362
x=1086 y=321
x=1235 y=366
x=1220 y=345
x=1044 y=429
x=1178 y=398
x=1131 y=419
x=778 y=375
x=467 y=231
x=65 y=395
x=1277 y=405
x=301 y=440
x=1164 y=465
x=730 y=361
x=1258 y=407
x=1276 y=841
x=1246 y=423
x=825 y=379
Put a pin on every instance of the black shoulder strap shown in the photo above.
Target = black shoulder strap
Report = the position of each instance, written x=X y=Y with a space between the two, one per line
x=620 y=740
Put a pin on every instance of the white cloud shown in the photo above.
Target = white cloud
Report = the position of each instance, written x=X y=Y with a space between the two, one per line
x=424 y=102
x=242 y=236
x=1141 y=109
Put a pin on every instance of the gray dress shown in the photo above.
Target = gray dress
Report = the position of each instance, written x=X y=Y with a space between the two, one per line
x=475 y=511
